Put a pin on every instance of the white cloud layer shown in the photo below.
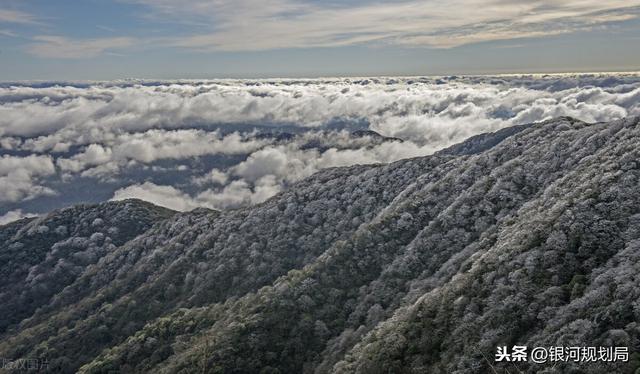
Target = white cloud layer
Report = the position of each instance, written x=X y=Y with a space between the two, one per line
x=146 y=147
x=418 y=110
x=104 y=130
x=265 y=173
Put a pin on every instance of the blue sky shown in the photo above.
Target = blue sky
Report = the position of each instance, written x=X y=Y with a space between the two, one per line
x=108 y=39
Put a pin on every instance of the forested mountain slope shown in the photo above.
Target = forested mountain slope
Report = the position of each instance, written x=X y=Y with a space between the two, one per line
x=528 y=236
x=40 y=256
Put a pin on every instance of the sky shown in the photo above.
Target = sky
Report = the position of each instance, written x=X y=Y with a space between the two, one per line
x=165 y=39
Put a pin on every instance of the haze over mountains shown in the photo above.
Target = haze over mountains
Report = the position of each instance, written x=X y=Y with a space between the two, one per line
x=526 y=236
x=226 y=144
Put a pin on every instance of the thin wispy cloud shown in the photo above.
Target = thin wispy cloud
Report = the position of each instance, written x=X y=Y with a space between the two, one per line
x=17 y=17
x=61 y=47
x=275 y=24
x=312 y=38
x=8 y=33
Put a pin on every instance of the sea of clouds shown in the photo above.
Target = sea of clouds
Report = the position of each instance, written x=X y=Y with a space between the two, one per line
x=224 y=144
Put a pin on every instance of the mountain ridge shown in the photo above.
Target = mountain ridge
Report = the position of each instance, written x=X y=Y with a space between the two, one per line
x=338 y=273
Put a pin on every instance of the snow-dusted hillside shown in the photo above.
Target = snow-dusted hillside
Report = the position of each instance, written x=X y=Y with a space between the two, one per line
x=529 y=236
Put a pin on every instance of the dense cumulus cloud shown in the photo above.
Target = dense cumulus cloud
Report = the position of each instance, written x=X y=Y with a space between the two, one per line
x=152 y=145
x=19 y=177
x=228 y=143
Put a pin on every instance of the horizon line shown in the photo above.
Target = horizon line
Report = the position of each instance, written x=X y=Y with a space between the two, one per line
x=328 y=77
